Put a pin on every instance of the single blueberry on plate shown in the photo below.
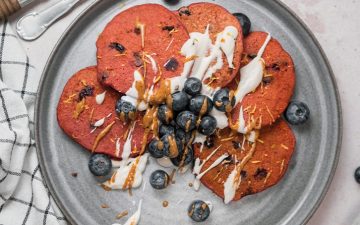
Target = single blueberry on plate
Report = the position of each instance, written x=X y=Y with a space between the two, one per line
x=182 y=135
x=186 y=120
x=166 y=129
x=200 y=105
x=222 y=100
x=207 y=125
x=199 y=211
x=165 y=115
x=86 y=91
x=244 y=22
x=100 y=164
x=297 y=113
x=184 y=159
x=155 y=148
x=180 y=101
x=125 y=110
x=192 y=86
x=357 y=175
x=159 y=179
x=171 y=145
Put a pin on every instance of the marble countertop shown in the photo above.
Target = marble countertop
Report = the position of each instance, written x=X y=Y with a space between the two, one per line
x=336 y=26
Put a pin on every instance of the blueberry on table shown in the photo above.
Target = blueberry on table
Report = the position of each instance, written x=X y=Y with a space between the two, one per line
x=126 y=110
x=193 y=86
x=222 y=101
x=207 y=125
x=100 y=164
x=155 y=148
x=186 y=120
x=297 y=113
x=184 y=159
x=171 y=145
x=198 y=211
x=200 y=105
x=180 y=101
x=159 y=179
x=166 y=129
x=357 y=175
x=164 y=114
x=245 y=23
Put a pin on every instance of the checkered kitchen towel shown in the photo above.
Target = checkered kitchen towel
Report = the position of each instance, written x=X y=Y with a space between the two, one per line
x=24 y=198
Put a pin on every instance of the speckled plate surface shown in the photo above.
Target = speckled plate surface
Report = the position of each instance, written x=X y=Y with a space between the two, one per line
x=292 y=201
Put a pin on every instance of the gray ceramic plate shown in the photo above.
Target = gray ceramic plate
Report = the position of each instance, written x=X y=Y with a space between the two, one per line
x=292 y=201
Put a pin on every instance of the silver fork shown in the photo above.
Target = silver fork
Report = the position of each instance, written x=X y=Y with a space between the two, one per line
x=34 y=24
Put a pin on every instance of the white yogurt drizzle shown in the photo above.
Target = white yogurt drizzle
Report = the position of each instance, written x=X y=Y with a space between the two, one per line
x=100 y=98
x=117 y=147
x=153 y=63
x=121 y=174
x=132 y=94
x=251 y=76
x=127 y=146
x=230 y=186
x=200 y=138
x=199 y=165
x=135 y=218
x=99 y=123
x=221 y=118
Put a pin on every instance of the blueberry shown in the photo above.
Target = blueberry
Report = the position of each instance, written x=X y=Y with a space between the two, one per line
x=182 y=135
x=172 y=2
x=209 y=142
x=117 y=46
x=166 y=129
x=245 y=23
x=159 y=179
x=187 y=159
x=297 y=113
x=199 y=211
x=192 y=86
x=222 y=100
x=86 y=91
x=100 y=164
x=357 y=175
x=125 y=110
x=165 y=115
x=200 y=105
x=171 y=146
x=186 y=120
x=180 y=101
x=207 y=125
x=155 y=148
x=171 y=65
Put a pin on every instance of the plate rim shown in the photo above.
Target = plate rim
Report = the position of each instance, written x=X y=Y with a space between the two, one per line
x=327 y=64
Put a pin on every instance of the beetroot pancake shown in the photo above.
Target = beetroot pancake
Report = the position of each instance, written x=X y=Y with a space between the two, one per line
x=147 y=36
x=272 y=96
x=78 y=112
x=197 y=16
x=265 y=168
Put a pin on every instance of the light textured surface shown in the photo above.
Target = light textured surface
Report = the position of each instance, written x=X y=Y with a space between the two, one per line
x=337 y=30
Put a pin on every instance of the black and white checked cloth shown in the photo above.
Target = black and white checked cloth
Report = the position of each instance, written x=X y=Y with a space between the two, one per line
x=24 y=198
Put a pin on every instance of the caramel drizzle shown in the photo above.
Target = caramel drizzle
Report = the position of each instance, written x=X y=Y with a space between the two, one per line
x=131 y=175
x=102 y=134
